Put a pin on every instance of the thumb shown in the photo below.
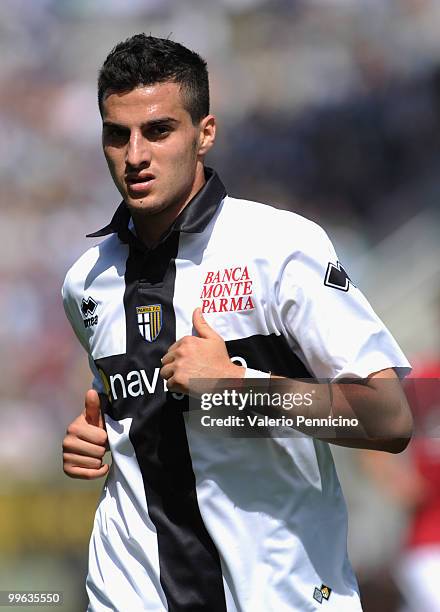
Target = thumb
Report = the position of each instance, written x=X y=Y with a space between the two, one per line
x=203 y=329
x=93 y=408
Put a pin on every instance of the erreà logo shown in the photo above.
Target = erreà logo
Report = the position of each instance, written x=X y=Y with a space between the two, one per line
x=88 y=308
x=149 y=319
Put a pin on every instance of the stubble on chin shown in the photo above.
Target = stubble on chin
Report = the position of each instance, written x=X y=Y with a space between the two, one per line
x=140 y=207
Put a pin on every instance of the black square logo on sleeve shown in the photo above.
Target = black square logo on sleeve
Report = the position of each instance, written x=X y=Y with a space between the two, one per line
x=336 y=277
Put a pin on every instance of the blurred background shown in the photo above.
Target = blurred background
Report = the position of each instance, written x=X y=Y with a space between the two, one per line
x=330 y=108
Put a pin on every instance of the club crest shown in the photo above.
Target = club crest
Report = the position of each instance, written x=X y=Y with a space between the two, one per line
x=149 y=319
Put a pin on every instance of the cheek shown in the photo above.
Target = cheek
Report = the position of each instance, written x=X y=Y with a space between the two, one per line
x=180 y=153
x=114 y=162
x=184 y=162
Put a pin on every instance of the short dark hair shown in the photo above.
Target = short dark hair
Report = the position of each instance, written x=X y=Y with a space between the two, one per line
x=146 y=60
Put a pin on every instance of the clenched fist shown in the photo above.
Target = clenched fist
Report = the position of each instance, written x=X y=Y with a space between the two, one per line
x=85 y=443
x=202 y=356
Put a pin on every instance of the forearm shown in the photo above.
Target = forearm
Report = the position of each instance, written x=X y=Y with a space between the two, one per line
x=371 y=413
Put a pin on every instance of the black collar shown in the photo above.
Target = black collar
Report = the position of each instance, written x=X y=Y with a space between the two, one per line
x=193 y=218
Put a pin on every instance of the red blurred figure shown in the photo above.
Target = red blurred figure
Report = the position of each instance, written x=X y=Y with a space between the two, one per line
x=415 y=486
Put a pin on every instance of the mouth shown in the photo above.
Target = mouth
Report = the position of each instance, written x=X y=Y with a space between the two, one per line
x=139 y=184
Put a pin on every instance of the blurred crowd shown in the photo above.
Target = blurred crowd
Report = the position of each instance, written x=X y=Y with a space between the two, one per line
x=330 y=108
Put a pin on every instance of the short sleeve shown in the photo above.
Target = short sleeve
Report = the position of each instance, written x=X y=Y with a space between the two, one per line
x=97 y=382
x=74 y=317
x=73 y=314
x=327 y=319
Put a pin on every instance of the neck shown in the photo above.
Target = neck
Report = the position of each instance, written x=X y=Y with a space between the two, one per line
x=150 y=228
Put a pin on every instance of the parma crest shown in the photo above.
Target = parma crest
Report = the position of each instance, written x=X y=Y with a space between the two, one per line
x=149 y=319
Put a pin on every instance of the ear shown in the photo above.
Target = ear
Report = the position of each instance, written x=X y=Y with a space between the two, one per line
x=207 y=134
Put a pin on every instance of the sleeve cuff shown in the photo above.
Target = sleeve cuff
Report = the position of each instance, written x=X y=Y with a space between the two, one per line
x=250 y=373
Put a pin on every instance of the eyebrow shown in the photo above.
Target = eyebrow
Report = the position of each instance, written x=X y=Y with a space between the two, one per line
x=147 y=124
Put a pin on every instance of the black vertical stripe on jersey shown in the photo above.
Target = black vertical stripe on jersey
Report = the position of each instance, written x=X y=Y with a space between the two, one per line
x=190 y=570
x=270 y=353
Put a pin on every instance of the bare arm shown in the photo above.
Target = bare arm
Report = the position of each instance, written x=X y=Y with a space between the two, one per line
x=378 y=402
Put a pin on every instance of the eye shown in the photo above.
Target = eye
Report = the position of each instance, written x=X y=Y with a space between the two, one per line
x=115 y=135
x=158 y=132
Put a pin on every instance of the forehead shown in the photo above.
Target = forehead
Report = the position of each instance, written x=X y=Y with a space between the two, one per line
x=144 y=103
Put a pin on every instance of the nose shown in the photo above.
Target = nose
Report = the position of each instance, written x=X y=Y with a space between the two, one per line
x=138 y=150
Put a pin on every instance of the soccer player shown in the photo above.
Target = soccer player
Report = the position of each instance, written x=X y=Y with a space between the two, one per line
x=191 y=283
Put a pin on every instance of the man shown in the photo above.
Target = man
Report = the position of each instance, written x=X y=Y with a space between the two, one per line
x=186 y=521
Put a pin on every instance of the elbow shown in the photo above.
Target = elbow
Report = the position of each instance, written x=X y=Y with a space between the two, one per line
x=400 y=434
x=399 y=425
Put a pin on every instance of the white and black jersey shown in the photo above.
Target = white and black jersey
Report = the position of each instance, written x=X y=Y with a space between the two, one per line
x=188 y=523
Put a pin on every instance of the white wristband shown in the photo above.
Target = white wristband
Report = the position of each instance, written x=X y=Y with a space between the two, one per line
x=250 y=373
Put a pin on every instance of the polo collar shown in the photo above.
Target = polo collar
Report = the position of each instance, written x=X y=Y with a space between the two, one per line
x=192 y=219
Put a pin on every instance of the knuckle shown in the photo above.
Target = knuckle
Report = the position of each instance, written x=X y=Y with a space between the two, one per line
x=171 y=384
x=101 y=451
x=177 y=378
x=103 y=437
x=67 y=445
x=72 y=429
x=175 y=368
